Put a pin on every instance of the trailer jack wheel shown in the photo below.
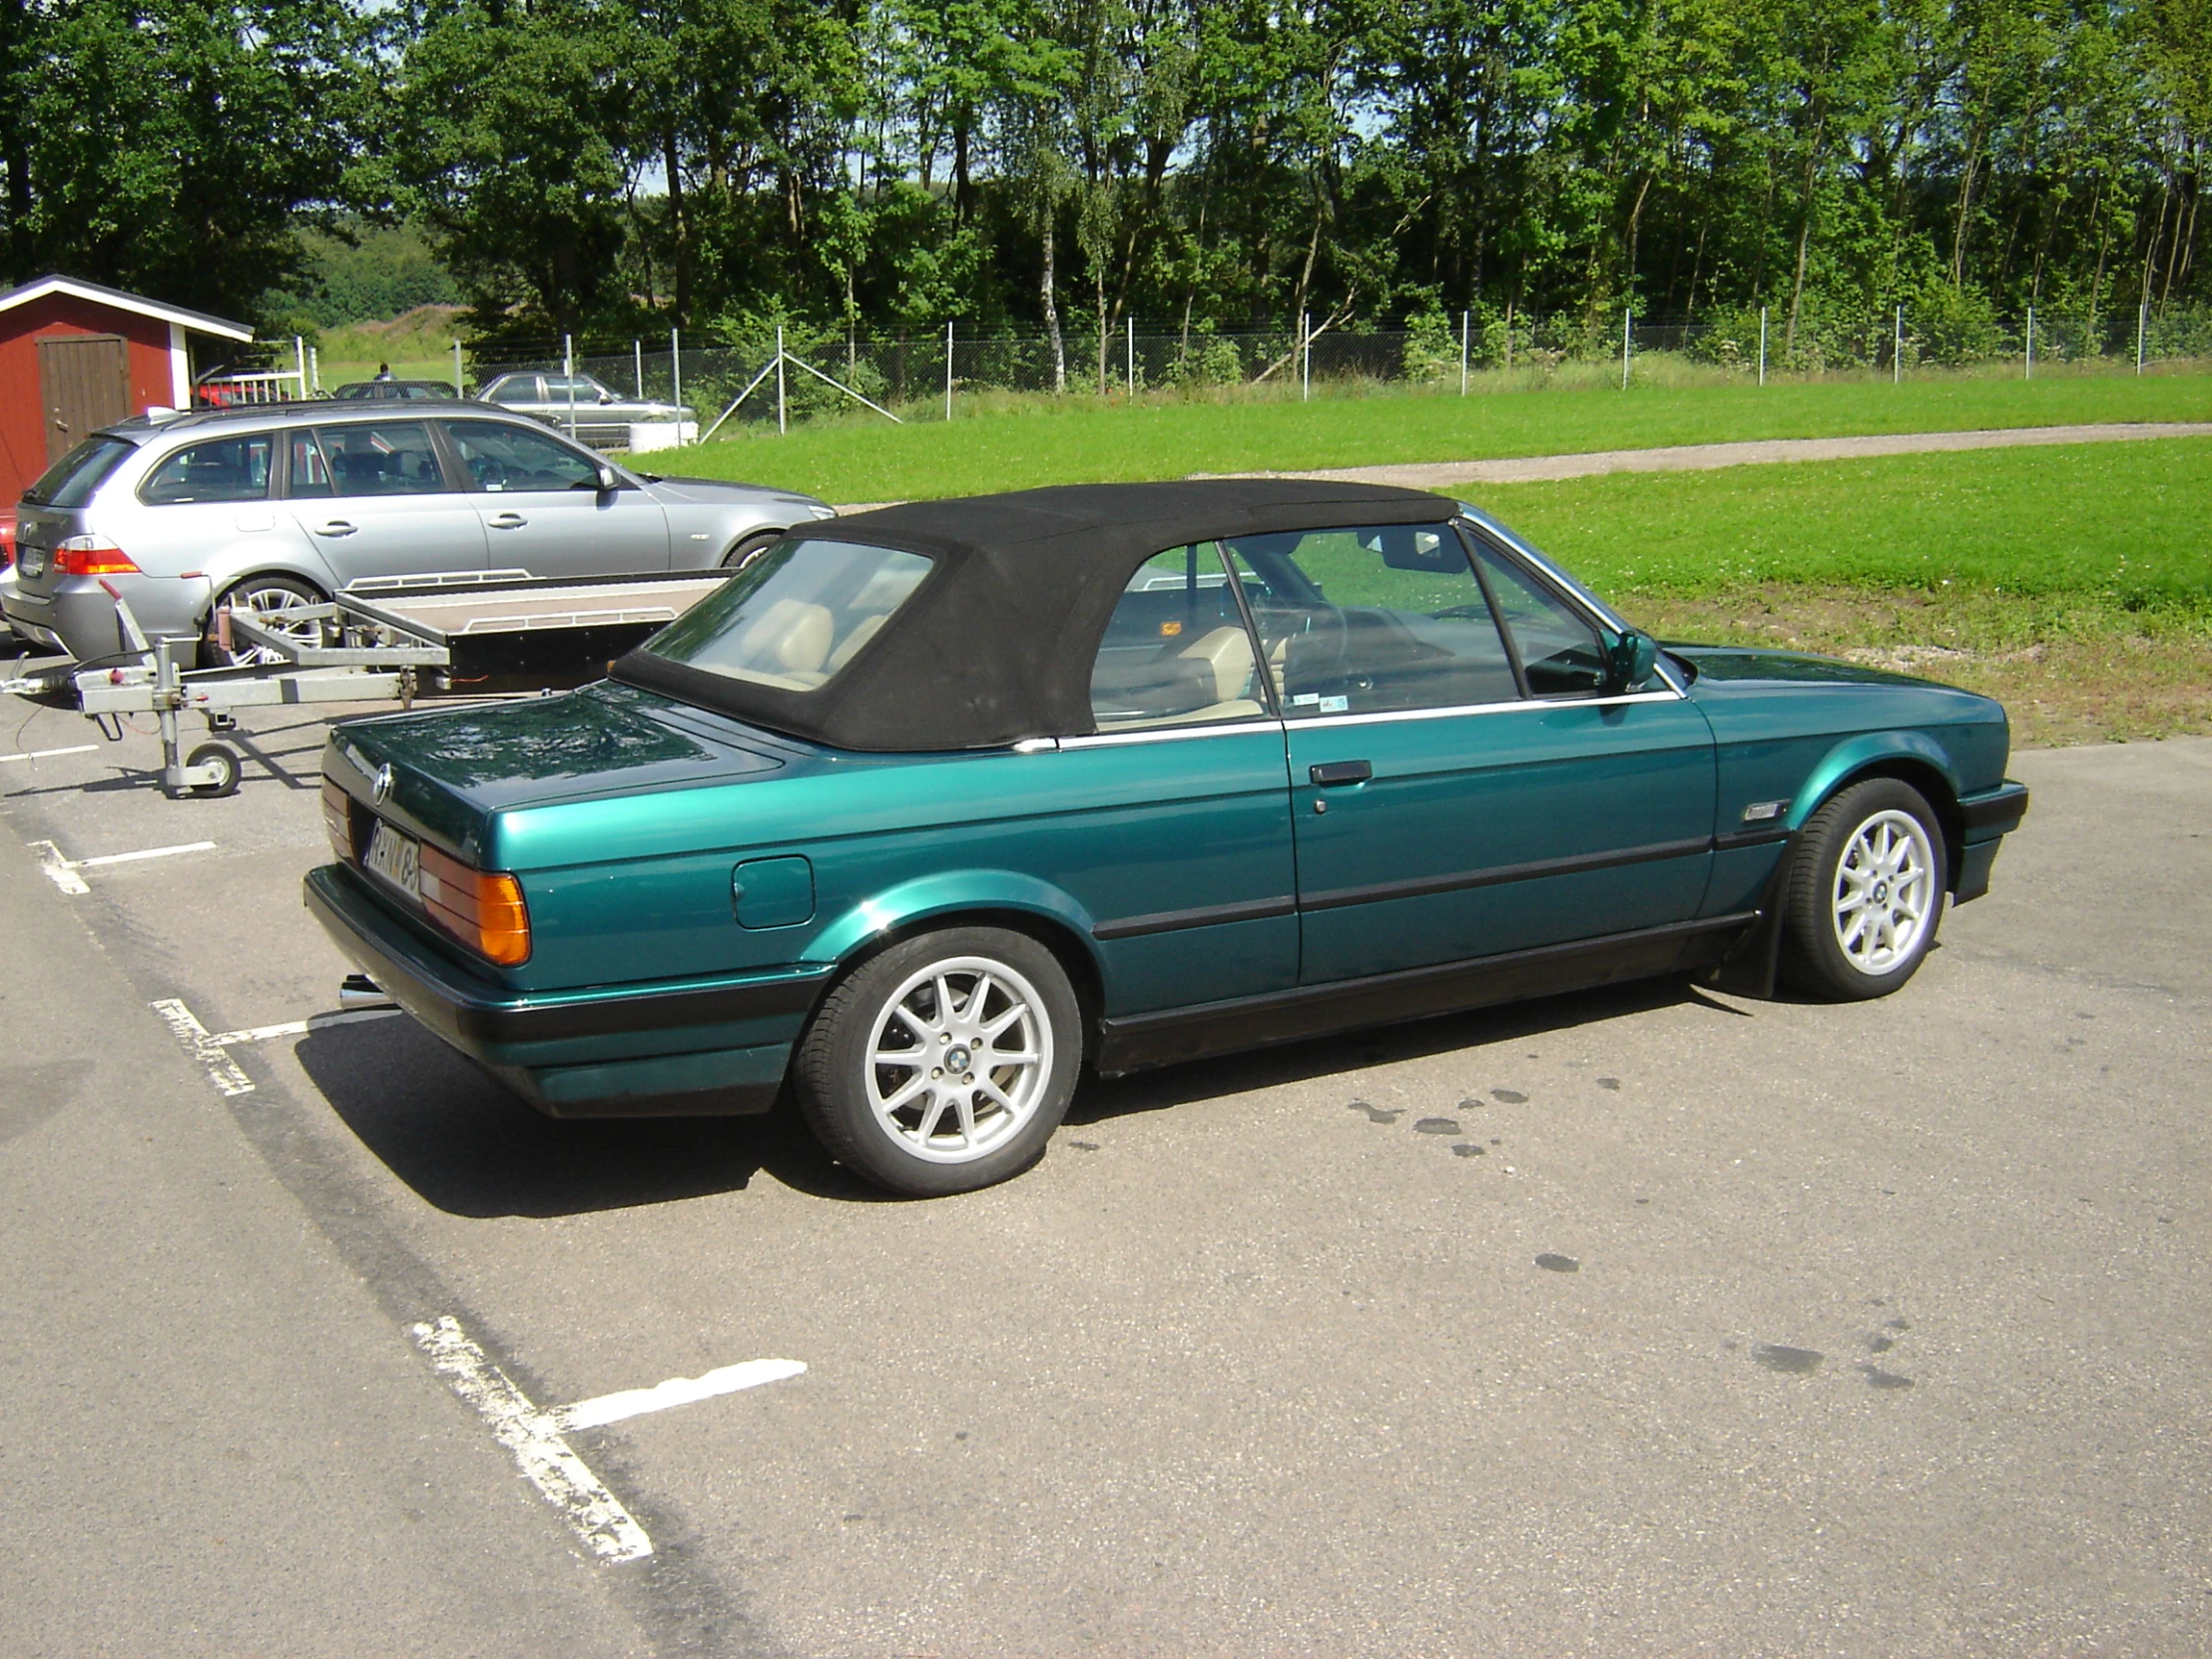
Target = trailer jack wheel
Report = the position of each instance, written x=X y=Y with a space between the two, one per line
x=211 y=769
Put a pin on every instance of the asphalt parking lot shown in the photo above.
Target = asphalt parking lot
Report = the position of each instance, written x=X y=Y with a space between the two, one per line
x=1652 y=1320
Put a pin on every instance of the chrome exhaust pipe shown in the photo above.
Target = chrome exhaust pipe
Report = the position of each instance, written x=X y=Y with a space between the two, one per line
x=360 y=992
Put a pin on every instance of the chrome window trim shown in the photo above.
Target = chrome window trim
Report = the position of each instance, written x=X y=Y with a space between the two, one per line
x=1098 y=739
x=1215 y=729
x=1617 y=700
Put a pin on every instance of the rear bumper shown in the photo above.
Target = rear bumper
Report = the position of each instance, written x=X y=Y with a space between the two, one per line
x=77 y=615
x=713 y=1048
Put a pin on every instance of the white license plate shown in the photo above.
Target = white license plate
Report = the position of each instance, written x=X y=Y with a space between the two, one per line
x=397 y=859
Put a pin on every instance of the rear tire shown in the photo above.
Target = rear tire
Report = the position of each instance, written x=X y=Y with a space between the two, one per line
x=1865 y=892
x=268 y=597
x=944 y=1064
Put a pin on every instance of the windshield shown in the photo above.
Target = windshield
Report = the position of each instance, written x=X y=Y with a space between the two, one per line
x=796 y=615
x=70 y=482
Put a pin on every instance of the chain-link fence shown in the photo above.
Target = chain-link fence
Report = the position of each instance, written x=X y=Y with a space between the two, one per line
x=809 y=374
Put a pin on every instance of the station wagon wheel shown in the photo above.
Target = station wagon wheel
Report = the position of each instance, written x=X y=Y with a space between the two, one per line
x=749 y=548
x=268 y=597
x=1865 y=892
x=946 y=1064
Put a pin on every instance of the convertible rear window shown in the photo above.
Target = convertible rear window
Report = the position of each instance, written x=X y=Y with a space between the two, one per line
x=797 y=615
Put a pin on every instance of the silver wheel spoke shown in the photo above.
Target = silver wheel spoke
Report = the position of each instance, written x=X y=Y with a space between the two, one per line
x=1883 y=901
x=990 y=1093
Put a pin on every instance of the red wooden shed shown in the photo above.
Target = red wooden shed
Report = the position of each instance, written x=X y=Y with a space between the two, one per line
x=75 y=356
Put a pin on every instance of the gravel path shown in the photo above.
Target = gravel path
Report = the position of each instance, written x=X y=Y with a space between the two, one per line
x=1700 y=458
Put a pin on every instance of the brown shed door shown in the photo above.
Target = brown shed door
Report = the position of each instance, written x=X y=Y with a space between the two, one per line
x=84 y=383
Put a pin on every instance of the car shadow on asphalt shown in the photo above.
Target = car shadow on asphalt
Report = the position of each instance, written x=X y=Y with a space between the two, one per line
x=1300 y=1062
x=468 y=1147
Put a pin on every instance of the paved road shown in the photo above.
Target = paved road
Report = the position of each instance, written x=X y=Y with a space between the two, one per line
x=1886 y=1331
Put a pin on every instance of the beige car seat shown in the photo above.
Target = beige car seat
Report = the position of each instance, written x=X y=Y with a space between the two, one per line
x=1224 y=656
x=786 y=646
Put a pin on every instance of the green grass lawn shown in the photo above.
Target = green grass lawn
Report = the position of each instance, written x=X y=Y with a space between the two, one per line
x=2074 y=583
x=1083 y=440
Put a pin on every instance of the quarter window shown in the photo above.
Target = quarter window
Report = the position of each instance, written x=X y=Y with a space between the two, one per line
x=1374 y=619
x=1559 y=650
x=1176 y=650
x=224 y=469
x=389 y=459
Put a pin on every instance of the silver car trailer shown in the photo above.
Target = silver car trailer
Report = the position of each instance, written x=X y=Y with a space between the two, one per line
x=400 y=638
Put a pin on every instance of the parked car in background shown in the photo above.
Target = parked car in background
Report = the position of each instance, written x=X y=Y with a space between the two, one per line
x=393 y=391
x=279 y=506
x=587 y=409
x=934 y=805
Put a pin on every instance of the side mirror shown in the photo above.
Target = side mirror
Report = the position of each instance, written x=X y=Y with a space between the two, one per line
x=1632 y=659
x=609 y=479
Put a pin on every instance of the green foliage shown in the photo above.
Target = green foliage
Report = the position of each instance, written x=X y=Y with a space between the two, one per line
x=359 y=273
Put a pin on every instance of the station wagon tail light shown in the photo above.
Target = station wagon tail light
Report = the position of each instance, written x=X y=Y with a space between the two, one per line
x=338 y=820
x=92 y=556
x=483 y=910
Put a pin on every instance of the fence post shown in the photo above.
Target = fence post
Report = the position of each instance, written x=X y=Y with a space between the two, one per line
x=2142 y=326
x=2027 y=361
x=299 y=350
x=1762 y=346
x=948 y=371
x=637 y=353
x=568 y=369
x=1628 y=319
x=1896 y=352
x=458 y=392
x=1464 y=354
x=1305 y=355
x=676 y=378
x=1132 y=322
x=781 y=429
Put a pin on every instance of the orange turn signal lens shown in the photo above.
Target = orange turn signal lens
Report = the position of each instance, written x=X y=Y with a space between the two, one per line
x=483 y=910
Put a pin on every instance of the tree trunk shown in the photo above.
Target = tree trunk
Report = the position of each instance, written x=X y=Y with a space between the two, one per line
x=1052 y=310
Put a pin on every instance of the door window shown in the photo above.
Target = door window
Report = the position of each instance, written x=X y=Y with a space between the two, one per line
x=506 y=458
x=1374 y=619
x=389 y=459
x=1176 y=650
x=224 y=469
x=310 y=473
x=515 y=388
x=1559 y=650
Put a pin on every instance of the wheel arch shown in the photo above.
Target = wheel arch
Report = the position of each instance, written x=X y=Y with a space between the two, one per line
x=295 y=571
x=1021 y=904
x=1908 y=757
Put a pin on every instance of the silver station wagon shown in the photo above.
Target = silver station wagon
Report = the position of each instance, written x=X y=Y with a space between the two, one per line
x=277 y=507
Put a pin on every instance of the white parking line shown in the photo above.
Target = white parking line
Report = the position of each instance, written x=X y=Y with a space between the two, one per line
x=150 y=853
x=62 y=870
x=184 y=1026
x=594 y=1513
x=677 y=1390
x=49 y=754
x=301 y=1027
x=58 y=869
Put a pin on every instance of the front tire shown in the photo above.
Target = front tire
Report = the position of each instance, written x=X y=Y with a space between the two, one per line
x=946 y=1064
x=1865 y=892
x=751 y=548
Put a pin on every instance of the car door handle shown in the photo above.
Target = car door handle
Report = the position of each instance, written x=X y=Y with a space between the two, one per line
x=336 y=527
x=1337 y=774
x=507 y=521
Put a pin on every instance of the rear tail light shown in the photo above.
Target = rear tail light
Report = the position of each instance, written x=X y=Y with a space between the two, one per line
x=483 y=910
x=92 y=556
x=338 y=820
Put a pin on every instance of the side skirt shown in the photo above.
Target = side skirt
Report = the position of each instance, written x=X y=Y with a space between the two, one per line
x=1139 y=1040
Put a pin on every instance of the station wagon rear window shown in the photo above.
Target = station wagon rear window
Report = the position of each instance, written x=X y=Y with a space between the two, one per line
x=70 y=482
x=796 y=615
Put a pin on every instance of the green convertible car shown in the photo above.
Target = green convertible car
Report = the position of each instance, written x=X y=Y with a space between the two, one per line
x=933 y=806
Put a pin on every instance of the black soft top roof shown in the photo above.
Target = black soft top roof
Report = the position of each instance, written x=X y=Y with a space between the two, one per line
x=997 y=642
